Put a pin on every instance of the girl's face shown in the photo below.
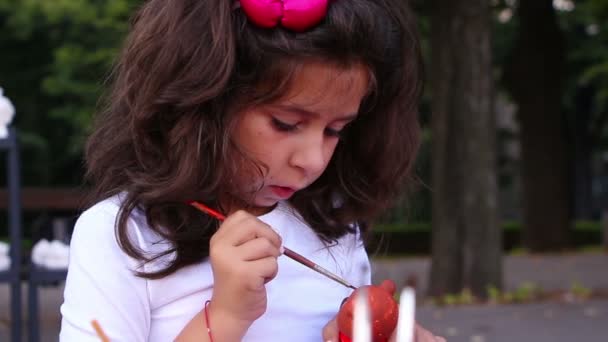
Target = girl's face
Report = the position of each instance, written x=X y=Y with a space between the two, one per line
x=294 y=138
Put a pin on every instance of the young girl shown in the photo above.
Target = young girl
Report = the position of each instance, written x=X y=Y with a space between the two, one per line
x=296 y=119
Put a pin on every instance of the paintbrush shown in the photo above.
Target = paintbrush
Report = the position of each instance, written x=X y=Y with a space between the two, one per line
x=99 y=331
x=288 y=252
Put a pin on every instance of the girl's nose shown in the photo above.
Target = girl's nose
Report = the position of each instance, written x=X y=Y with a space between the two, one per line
x=310 y=155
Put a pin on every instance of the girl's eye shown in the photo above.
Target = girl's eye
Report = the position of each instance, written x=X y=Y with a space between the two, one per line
x=333 y=132
x=282 y=126
x=285 y=127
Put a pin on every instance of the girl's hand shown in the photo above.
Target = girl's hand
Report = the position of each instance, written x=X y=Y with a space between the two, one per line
x=243 y=255
x=423 y=335
x=330 y=334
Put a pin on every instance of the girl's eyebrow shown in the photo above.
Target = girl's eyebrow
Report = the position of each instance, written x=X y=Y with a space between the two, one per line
x=304 y=112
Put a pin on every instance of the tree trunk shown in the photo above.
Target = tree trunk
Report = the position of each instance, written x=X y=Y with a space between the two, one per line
x=534 y=78
x=466 y=236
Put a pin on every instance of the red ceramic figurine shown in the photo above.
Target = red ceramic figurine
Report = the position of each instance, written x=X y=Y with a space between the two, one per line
x=383 y=311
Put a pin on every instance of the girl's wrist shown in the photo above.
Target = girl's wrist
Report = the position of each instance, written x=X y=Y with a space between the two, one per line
x=223 y=326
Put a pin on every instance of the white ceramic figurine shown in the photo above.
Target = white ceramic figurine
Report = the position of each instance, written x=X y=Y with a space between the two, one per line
x=7 y=112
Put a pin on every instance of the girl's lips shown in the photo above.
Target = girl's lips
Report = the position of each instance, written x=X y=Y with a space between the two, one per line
x=282 y=191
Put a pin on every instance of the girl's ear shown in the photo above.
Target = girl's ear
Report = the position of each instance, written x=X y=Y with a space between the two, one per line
x=183 y=50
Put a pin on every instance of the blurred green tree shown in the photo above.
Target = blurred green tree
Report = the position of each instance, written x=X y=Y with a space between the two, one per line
x=586 y=97
x=55 y=57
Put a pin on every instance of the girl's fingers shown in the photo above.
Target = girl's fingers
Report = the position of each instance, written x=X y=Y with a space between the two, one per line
x=258 y=248
x=262 y=230
x=225 y=228
x=263 y=271
x=423 y=335
x=330 y=331
x=241 y=227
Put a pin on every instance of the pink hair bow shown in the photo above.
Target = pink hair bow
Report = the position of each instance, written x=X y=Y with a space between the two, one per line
x=296 y=15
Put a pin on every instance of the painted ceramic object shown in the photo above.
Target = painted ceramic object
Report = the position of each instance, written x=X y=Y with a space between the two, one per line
x=383 y=308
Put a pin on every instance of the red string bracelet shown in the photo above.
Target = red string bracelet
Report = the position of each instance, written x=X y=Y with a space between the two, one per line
x=207 y=321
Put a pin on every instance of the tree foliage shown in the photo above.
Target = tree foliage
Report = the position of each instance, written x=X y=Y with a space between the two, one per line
x=59 y=53
x=56 y=54
x=586 y=28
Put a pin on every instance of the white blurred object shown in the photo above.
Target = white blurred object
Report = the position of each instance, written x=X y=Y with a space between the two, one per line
x=7 y=112
x=39 y=251
x=53 y=255
x=362 y=330
x=3 y=248
x=5 y=259
x=406 y=322
x=5 y=262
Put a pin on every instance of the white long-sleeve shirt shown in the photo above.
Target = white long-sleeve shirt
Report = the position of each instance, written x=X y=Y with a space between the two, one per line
x=101 y=284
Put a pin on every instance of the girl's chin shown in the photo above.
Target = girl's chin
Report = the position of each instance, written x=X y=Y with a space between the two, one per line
x=270 y=203
x=262 y=206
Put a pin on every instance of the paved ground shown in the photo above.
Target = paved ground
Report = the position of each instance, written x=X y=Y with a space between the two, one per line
x=549 y=272
x=540 y=322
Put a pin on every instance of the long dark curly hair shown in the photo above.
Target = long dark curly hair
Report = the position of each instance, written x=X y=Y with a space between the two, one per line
x=189 y=67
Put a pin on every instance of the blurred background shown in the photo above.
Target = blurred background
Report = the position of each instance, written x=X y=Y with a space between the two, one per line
x=510 y=208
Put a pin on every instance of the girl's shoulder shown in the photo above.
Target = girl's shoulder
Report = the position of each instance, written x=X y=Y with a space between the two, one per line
x=102 y=217
x=106 y=207
x=97 y=222
x=97 y=226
